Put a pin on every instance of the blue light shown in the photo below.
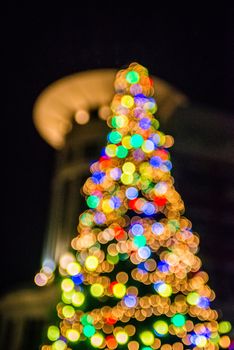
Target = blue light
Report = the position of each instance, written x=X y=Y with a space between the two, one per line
x=99 y=218
x=98 y=177
x=144 y=252
x=130 y=300
x=163 y=266
x=157 y=285
x=203 y=302
x=145 y=123
x=115 y=202
x=137 y=229
x=168 y=164
x=78 y=279
x=156 y=162
x=157 y=228
x=148 y=209
x=131 y=193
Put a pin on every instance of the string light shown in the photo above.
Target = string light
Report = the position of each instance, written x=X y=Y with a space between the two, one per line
x=135 y=257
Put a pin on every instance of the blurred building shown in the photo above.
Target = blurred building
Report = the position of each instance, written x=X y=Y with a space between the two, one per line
x=70 y=115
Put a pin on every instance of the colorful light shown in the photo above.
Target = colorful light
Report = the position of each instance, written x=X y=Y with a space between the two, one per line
x=91 y=263
x=78 y=299
x=163 y=289
x=59 y=345
x=134 y=244
x=137 y=229
x=131 y=193
x=72 y=335
x=127 y=101
x=53 y=333
x=119 y=290
x=73 y=268
x=193 y=298
x=178 y=320
x=68 y=311
x=160 y=327
x=147 y=338
x=225 y=327
x=97 y=340
x=97 y=290
x=89 y=330
x=121 y=337
x=136 y=141
x=132 y=77
x=130 y=300
x=93 y=201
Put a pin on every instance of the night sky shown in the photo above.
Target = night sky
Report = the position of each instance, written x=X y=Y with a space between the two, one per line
x=190 y=48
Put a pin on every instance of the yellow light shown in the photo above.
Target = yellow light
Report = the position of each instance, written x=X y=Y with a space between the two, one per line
x=97 y=290
x=164 y=290
x=161 y=327
x=127 y=101
x=73 y=268
x=106 y=207
x=126 y=142
x=201 y=341
x=126 y=179
x=192 y=298
x=111 y=150
x=119 y=290
x=225 y=327
x=78 y=299
x=67 y=285
x=68 y=311
x=121 y=337
x=97 y=340
x=67 y=296
x=72 y=335
x=128 y=168
x=147 y=338
x=91 y=263
x=59 y=345
x=53 y=333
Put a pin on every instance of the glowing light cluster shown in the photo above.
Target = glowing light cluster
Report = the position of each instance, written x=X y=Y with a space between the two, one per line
x=135 y=255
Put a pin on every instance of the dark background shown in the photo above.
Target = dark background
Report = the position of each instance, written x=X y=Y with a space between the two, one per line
x=191 y=48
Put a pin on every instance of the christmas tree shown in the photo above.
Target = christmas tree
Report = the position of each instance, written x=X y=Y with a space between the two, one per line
x=135 y=281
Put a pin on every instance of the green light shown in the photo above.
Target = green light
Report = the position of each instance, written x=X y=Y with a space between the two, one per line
x=53 y=333
x=115 y=137
x=89 y=331
x=136 y=141
x=112 y=259
x=139 y=241
x=122 y=152
x=178 y=320
x=93 y=201
x=86 y=319
x=161 y=327
x=132 y=77
x=147 y=338
x=225 y=327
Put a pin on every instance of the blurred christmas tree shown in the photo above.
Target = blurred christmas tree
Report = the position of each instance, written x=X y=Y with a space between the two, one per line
x=136 y=281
